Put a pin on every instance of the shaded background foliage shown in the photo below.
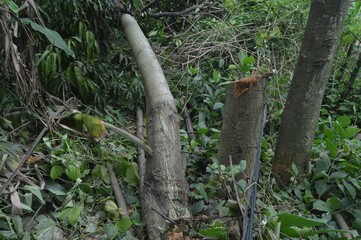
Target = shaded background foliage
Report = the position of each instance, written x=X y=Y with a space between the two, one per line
x=200 y=54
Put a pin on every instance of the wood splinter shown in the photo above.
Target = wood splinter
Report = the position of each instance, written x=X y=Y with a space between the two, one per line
x=243 y=84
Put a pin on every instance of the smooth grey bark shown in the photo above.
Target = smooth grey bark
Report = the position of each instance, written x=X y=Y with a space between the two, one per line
x=308 y=85
x=241 y=126
x=164 y=195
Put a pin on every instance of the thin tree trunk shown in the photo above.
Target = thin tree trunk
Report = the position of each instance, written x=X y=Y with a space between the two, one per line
x=308 y=85
x=164 y=195
x=352 y=79
x=341 y=71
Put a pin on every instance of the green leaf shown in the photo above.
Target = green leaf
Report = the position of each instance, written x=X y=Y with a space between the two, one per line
x=323 y=164
x=331 y=147
x=123 y=224
x=288 y=220
x=71 y=214
x=294 y=169
x=18 y=225
x=334 y=203
x=111 y=231
x=215 y=231
x=275 y=32
x=132 y=175
x=36 y=191
x=357 y=224
x=321 y=186
x=249 y=60
x=197 y=207
x=344 y=120
x=56 y=171
x=232 y=67
x=321 y=206
x=217 y=105
x=112 y=208
x=350 y=132
x=53 y=37
x=351 y=190
x=73 y=172
x=55 y=188
x=337 y=175
x=13 y=6
x=47 y=229
x=216 y=75
x=296 y=232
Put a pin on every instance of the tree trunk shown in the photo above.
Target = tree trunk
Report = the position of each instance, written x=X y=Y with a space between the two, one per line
x=241 y=126
x=308 y=85
x=353 y=78
x=164 y=195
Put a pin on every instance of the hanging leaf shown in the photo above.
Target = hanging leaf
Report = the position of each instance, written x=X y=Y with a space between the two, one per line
x=53 y=37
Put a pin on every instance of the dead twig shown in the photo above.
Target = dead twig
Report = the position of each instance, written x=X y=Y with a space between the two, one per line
x=178 y=14
x=343 y=225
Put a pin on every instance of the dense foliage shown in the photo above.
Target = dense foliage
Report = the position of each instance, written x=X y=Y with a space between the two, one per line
x=200 y=53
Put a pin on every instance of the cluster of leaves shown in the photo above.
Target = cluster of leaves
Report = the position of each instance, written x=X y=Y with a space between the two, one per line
x=77 y=193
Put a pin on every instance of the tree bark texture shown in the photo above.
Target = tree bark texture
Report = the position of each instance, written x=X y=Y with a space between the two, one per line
x=308 y=85
x=164 y=195
x=241 y=126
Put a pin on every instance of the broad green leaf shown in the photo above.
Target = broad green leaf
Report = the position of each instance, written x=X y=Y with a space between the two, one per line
x=321 y=186
x=53 y=37
x=321 y=206
x=123 y=224
x=18 y=225
x=288 y=220
x=71 y=214
x=36 y=191
x=13 y=6
x=197 y=207
x=350 y=132
x=217 y=105
x=296 y=232
x=249 y=60
x=323 y=164
x=275 y=32
x=47 y=229
x=73 y=172
x=330 y=134
x=337 y=175
x=334 y=203
x=56 y=171
x=132 y=175
x=111 y=231
x=55 y=188
x=350 y=189
x=112 y=208
x=344 y=120
x=331 y=147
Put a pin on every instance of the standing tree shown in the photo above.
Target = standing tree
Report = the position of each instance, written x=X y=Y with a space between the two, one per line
x=308 y=85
